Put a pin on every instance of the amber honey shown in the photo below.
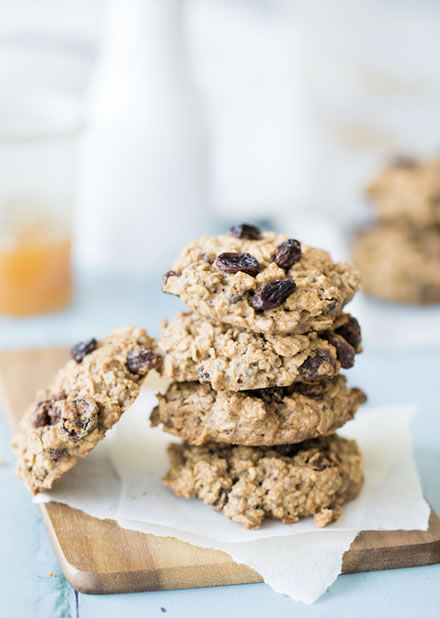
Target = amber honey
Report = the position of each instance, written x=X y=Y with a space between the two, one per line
x=35 y=268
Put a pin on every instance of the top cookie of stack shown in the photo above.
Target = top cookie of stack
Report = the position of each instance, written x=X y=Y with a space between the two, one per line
x=262 y=281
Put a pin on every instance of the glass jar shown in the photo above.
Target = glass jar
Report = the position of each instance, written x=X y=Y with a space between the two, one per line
x=38 y=153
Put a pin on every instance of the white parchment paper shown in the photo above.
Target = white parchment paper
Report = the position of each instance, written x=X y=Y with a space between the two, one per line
x=121 y=480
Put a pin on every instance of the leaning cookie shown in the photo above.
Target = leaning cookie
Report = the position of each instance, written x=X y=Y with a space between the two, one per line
x=263 y=417
x=247 y=485
x=399 y=263
x=85 y=398
x=234 y=359
x=262 y=281
x=408 y=190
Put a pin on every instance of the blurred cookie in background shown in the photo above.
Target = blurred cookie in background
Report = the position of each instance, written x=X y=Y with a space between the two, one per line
x=399 y=262
x=408 y=190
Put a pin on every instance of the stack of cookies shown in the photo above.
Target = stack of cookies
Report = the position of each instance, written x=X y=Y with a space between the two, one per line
x=398 y=256
x=256 y=392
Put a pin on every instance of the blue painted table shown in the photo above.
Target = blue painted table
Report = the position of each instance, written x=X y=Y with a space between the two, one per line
x=31 y=583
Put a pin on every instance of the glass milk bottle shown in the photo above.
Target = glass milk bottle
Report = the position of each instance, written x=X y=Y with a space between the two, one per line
x=143 y=179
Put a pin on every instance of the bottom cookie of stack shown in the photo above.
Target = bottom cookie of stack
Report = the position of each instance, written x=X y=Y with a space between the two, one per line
x=289 y=482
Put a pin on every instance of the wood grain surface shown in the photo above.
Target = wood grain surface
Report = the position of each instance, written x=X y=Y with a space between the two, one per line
x=99 y=557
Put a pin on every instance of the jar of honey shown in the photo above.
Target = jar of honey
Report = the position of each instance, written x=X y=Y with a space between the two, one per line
x=38 y=151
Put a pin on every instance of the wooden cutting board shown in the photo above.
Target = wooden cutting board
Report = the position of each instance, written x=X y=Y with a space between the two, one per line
x=99 y=557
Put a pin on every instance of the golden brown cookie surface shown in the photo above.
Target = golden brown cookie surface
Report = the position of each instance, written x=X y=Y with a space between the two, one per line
x=265 y=283
x=232 y=359
x=249 y=484
x=85 y=398
x=280 y=415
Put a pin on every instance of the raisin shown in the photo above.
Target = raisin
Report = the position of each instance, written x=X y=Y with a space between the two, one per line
x=287 y=450
x=250 y=232
x=41 y=414
x=56 y=453
x=317 y=366
x=288 y=253
x=351 y=331
x=202 y=375
x=222 y=498
x=270 y=395
x=320 y=463
x=313 y=391
x=81 y=349
x=141 y=359
x=54 y=414
x=344 y=351
x=272 y=294
x=238 y=262
x=404 y=162
x=45 y=412
x=170 y=273
x=78 y=416
x=236 y=298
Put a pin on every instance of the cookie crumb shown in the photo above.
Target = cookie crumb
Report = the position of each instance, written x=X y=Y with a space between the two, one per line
x=52 y=574
x=2 y=463
x=327 y=516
